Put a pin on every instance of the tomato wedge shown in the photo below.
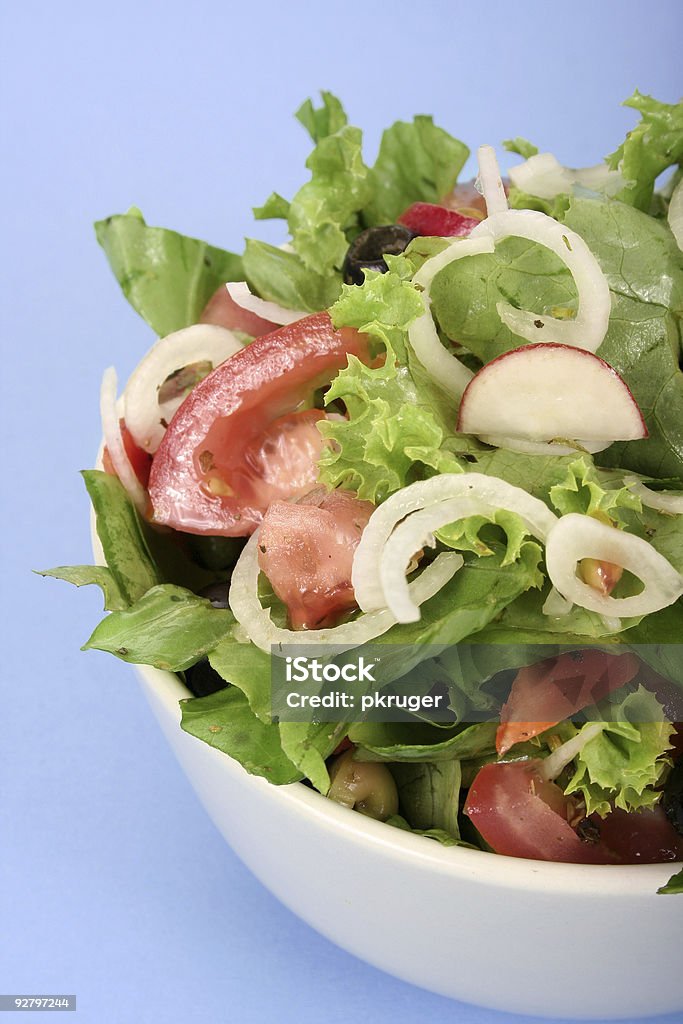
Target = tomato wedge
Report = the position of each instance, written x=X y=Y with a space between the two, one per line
x=230 y=448
x=306 y=550
x=550 y=691
x=519 y=814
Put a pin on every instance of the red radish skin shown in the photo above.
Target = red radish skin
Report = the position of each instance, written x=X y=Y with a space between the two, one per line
x=536 y=375
x=438 y=221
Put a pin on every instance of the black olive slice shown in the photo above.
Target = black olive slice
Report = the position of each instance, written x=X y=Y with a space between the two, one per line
x=366 y=252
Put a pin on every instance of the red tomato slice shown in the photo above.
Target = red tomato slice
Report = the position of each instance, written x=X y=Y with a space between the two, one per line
x=306 y=551
x=140 y=460
x=430 y=219
x=231 y=447
x=519 y=814
x=550 y=691
x=221 y=309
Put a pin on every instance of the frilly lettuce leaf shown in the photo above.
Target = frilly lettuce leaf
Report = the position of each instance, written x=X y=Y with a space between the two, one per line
x=655 y=144
x=620 y=766
x=584 y=490
x=322 y=121
x=521 y=146
x=396 y=416
x=417 y=162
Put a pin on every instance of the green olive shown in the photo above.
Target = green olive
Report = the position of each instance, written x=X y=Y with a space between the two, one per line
x=364 y=786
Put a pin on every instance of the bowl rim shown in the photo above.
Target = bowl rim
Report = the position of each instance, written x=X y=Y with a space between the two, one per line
x=479 y=866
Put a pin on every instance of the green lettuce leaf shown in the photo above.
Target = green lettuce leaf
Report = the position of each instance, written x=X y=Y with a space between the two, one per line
x=120 y=532
x=225 y=721
x=438 y=834
x=396 y=416
x=428 y=795
x=169 y=627
x=655 y=144
x=417 y=162
x=464 y=294
x=281 y=276
x=644 y=270
x=468 y=742
x=620 y=766
x=101 y=576
x=168 y=278
x=675 y=884
x=322 y=121
x=521 y=146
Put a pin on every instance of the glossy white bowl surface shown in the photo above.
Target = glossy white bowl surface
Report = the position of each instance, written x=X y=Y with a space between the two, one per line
x=530 y=937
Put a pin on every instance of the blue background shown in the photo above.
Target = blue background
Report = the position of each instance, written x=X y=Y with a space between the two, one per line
x=115 y=885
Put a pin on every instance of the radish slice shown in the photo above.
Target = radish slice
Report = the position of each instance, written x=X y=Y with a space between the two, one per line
x=240 y=293
x=486 y=494
x=675 y=215
x=576 y=536
x=490 y=182
x=446 y=370
x=258 y=626
x=663 y=501
x=111 y=429
x=543 y=392
x=201 y=343
x=588 y=328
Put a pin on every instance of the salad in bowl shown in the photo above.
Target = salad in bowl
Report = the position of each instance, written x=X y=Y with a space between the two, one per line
x=440 y=429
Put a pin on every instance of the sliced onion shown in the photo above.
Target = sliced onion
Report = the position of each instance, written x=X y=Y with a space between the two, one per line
x=446 y=370
x=111 y=428
x=490 y=181
x=520 y=444
x=486 y=493
x=663 y=501
x=556 y=762
x=555 y=606
x=256 y=621
x=544 y=176
x=455 y=251
x=675 y=215
x=576 y=536
x=588 y=328
x=241 y=294
x=198 y=343
x=414 y=533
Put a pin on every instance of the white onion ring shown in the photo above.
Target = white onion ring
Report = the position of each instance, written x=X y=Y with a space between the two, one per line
x=486 y=493
x=490 y=181
x=587 y=330
x=445 y=369
x=663 y=501
x=241 y=294
x=113 y=440
x=257 y=624
x=455 y=251
x=675 y=215
x=555 y=606
x=198 y=343
x=576 y=536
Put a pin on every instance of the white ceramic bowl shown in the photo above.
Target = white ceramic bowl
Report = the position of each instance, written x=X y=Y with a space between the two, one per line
x=530 y=937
